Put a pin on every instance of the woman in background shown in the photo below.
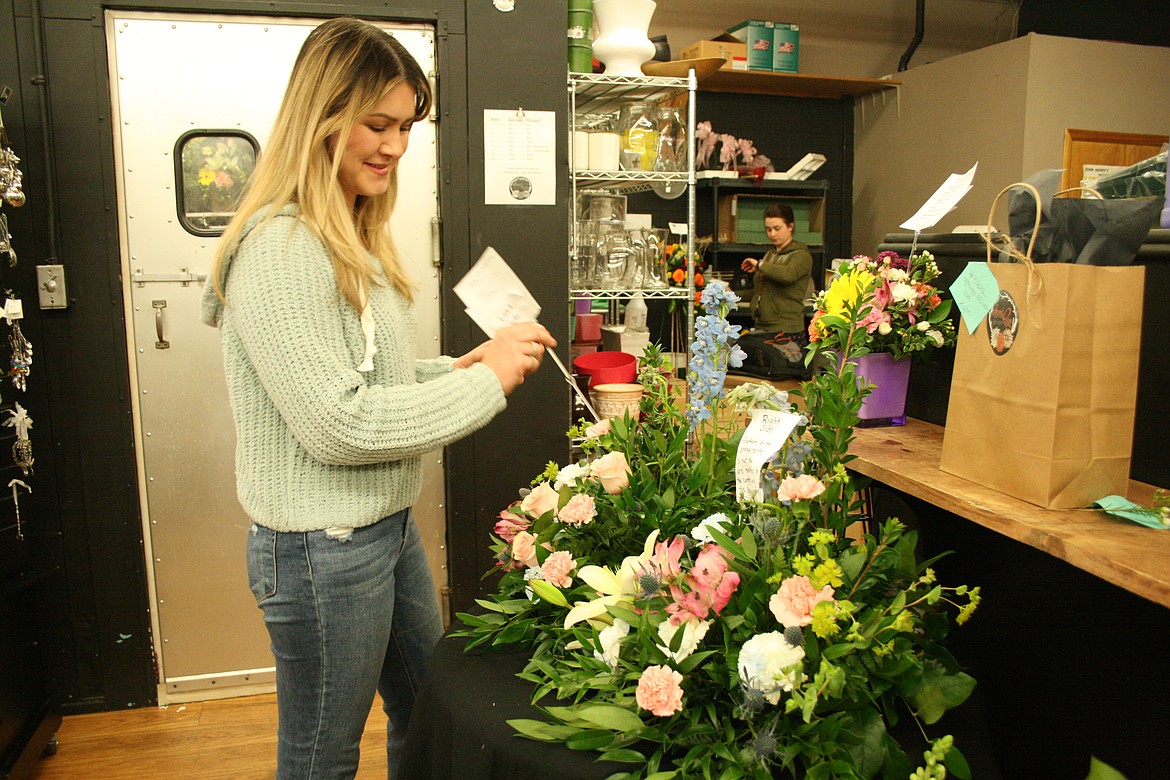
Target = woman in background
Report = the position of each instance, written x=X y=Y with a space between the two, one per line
x=332 y=409
x=783 y=280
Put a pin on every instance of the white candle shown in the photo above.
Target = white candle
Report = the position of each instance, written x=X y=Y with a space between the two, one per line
x=580 y=150
x=603 y=151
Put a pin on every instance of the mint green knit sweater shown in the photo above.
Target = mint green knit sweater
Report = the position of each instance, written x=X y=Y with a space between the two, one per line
x=320 y=444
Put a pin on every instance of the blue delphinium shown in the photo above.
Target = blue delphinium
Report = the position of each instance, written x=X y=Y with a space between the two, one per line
x=712 y=352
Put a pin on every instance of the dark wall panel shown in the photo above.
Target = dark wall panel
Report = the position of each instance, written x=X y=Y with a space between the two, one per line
x=485 y=472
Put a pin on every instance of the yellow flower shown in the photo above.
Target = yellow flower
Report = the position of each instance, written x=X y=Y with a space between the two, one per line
x=206 y=176
x=847 y=291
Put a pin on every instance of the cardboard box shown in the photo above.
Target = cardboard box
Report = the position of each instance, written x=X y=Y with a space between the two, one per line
x=741 y=218
x=771 y=46
x=728 y=50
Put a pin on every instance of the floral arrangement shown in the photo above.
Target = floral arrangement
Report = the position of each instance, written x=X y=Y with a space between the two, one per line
x=676 y=267
x=733 y=153
x=215 y=171
x=904 y=315
x=690 y=634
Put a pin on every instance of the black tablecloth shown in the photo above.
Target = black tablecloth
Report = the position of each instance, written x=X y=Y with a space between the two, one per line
x=459 y=726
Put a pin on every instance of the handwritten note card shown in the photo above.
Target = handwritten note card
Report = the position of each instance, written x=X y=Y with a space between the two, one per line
x=975 y=292
x=764 y=437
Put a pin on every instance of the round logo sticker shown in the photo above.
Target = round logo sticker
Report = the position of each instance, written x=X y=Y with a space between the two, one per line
x=520 y=188
x=1002 y=323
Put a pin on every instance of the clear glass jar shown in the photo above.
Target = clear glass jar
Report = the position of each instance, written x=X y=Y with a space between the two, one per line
x=638 y=129
x=671 y=151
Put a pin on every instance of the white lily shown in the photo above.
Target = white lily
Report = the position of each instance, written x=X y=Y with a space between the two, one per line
x=613 y=587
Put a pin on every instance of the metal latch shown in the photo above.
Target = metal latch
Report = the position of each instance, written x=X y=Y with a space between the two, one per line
x=184 y=277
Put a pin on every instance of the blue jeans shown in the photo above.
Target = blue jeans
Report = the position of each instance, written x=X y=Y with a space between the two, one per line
x=347 y=615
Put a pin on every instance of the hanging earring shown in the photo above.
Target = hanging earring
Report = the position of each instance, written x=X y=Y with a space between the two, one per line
x=20 y=363
x=22 y=448
x=14 y=483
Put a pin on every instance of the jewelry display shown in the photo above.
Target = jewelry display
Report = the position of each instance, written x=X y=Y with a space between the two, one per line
x=22 y=449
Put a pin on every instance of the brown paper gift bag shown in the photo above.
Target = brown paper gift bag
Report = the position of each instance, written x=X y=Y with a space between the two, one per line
x=1043 y=393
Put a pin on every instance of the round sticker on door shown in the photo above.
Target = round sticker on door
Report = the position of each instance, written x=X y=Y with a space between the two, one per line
x=1003 y=321
x=520 y=188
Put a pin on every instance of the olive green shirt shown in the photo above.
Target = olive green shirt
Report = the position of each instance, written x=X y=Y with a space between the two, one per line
x=783 y=284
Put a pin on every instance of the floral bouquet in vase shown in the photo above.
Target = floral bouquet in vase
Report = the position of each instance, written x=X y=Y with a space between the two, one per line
x=688 y=633
x=901 y=314
x=676 y=266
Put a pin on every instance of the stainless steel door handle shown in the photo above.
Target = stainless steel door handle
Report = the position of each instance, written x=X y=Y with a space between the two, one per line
x=162 y=343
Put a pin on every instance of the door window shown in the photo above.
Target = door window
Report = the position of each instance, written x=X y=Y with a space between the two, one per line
x=211 y=169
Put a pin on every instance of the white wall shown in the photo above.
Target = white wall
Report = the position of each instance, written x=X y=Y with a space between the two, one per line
x=1006 y=107
x=847 y=38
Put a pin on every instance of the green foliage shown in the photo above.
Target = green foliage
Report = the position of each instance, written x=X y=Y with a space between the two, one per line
x=697 y=636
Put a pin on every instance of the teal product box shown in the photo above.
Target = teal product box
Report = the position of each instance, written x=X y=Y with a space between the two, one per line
x=785 y=47
x=771 y=46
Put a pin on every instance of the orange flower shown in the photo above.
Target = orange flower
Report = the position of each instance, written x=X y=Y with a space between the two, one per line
x=698 y=279
x=679 y=276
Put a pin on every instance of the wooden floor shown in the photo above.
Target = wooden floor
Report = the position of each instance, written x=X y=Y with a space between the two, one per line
x=229 y=738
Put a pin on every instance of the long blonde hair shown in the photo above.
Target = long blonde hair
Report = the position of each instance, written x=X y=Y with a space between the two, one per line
x=344 y=68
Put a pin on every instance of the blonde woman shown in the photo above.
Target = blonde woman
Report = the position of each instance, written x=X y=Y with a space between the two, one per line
x=332 y=409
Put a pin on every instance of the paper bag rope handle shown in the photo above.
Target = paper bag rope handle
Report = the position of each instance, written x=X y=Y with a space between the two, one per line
x=1035 y=283
x=1007 y=248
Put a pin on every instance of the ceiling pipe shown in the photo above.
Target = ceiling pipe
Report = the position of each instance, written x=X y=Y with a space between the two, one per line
x=919 y=29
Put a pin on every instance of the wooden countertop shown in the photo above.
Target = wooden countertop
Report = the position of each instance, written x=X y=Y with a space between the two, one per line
x=1128 y=555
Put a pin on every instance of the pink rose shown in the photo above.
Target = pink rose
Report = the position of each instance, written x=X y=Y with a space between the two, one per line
x=509 y=525
x=541 y=500
x=524 y=548
x=799 y=488
x=556 y=569
x=579 y=511
x=660 y=690
x=598 y=429
x=793 y=604
x=613 y=472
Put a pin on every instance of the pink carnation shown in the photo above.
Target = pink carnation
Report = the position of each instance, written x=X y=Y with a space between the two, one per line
x=509 y=525
x=579 y=511
x=793 y=604
x=556 y=569
x=660 y=690
x=799 y=488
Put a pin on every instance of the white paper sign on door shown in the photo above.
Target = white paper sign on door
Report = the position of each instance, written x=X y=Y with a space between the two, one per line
x=519 y=160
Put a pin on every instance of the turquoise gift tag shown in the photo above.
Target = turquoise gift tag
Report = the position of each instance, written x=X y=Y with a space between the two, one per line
x=975 y=292
x=1128 y=510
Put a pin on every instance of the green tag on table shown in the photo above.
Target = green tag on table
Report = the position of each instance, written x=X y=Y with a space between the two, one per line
x=1119 y=506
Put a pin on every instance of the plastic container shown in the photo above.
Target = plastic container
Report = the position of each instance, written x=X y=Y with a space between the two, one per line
x=607 y=368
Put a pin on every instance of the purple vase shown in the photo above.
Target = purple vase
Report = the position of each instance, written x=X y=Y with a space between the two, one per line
x=886 y=403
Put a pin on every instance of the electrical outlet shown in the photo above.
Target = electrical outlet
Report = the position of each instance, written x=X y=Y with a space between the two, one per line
x=51 y=287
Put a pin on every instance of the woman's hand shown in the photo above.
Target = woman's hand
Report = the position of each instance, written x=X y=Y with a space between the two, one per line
x=514 y=353
x=749 y=264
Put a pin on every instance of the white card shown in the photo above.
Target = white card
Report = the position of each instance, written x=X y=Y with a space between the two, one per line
x=494 y=296
x=764 y=437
